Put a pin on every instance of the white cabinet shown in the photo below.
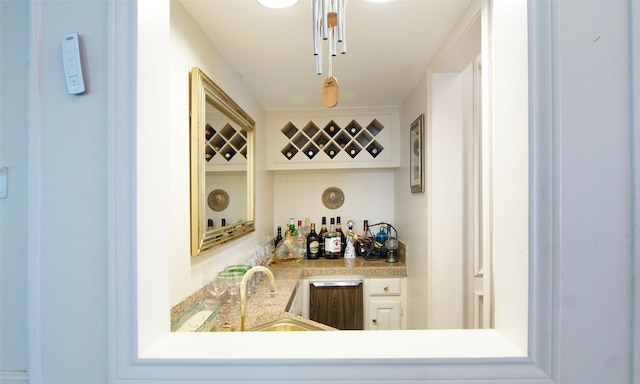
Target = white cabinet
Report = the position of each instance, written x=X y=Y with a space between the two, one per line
x=333 y=139
x=385 y=301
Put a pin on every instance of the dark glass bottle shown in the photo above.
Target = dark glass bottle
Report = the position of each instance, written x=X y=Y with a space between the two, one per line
x=323 y=231
x=364 y=241
x=278 y=238
x=313 y=244
x=343 y=238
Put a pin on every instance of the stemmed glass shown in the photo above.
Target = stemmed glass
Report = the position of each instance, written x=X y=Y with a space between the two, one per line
x=217 y=288
x=232 y=280
x=242 y=268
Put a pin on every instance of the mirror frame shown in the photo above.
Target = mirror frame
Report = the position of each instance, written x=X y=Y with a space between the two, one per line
x=203 y=90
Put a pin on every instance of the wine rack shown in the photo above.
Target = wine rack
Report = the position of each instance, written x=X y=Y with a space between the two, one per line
x=311 y=140
x=226 y=145
x=328 y=139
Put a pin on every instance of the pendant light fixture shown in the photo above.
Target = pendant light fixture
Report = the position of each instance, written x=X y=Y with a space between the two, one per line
x=277 y=3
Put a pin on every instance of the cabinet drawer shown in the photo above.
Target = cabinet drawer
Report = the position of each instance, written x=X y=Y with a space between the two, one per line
x=384 y=286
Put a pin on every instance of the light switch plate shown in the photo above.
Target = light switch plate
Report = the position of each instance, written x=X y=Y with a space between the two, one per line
x=3 y=182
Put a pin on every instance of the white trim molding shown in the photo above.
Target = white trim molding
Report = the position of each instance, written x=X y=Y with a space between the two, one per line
x=453 y=356
x=14 y=377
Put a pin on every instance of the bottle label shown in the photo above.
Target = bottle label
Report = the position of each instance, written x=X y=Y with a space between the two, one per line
x=314 y=247
x=332 y=245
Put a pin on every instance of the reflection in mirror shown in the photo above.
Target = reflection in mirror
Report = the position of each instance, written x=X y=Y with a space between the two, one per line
x=221 y=146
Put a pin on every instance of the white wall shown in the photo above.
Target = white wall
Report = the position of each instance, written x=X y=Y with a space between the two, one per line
x=67 y=195
x=412 y=210
x=435 y=237
x=368 y=195
x=14 y=21
x=189 y=48
x=446 y=188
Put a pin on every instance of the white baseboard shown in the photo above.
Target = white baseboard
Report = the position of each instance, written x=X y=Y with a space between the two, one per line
x=14 y=377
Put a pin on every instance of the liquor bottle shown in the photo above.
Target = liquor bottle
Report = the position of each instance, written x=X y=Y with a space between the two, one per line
x=306 y=228
x=323 y=231
x=300 y=229
x=286 y=251
x=299 y=250
x=350 y=250
x=313 y=244
x=278 y=238
x=381 y=236
x=366 y=230
x=363 y=241
x=332 y=244
x=292 y=227
x=343 y=239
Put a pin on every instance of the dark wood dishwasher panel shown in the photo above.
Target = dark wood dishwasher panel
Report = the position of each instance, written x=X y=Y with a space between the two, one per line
x=337 y=304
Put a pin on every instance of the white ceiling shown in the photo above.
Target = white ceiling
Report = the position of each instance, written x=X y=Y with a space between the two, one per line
x=388 y=48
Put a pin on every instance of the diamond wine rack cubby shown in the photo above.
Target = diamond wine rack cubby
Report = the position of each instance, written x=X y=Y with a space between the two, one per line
x=333 y=139
x=225 y=146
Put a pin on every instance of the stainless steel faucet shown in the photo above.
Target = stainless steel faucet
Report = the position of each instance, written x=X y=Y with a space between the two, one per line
x=243 y=290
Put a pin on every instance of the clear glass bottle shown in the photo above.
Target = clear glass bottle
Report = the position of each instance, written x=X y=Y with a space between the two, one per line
x=287 y=250
x=332 y=243
x=300 y=230
x=299 y=250
x=306 y=228
x=313 y=244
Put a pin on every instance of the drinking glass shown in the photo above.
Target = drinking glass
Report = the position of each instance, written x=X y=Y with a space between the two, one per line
x=232 y=280
x=243 y=268
x=218 y=288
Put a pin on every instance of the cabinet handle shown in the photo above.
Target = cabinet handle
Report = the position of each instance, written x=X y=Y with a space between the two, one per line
x=386 y=288
x=374 y=321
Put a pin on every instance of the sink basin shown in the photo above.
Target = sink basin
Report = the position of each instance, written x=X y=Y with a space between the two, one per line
x=285 y=325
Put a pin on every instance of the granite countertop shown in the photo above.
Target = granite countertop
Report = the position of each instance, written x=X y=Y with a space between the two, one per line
x=262 y=308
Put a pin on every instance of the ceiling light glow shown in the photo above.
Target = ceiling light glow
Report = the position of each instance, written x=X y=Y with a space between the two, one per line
x=277 y=3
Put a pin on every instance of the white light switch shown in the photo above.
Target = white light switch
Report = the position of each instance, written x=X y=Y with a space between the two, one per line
x=3 y=183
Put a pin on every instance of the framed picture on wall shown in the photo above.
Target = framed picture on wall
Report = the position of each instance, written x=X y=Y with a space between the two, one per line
x=416 y=159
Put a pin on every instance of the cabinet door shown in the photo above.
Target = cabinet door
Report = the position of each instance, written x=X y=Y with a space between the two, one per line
x=384 y=313
x=337 y=306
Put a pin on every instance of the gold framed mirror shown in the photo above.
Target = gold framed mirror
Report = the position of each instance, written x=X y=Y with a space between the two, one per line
x=222 y=166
